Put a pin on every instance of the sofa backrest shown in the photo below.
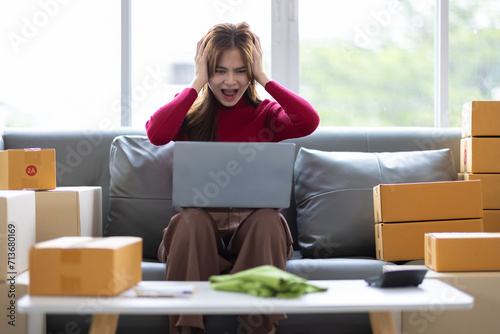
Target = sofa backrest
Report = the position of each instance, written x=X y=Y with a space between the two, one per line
x=83 y=156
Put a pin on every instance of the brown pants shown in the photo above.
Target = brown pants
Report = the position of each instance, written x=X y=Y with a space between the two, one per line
x=199 y=243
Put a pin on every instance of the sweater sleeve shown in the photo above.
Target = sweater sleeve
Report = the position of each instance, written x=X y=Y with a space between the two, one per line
x=290 y=116
x=164 y=125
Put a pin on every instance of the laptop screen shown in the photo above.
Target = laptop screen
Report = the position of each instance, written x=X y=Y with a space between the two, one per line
x=232 y=175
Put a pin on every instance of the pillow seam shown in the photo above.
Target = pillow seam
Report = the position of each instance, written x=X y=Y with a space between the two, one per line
x=381 y=175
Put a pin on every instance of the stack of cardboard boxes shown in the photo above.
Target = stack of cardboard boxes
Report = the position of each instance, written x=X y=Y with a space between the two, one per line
x=480 y=155
x=470 y=261
x=33 y=209
x=480 y=161
x=405 y=212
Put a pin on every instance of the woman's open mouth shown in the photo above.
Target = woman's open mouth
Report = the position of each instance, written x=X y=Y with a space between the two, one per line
x=229 y=94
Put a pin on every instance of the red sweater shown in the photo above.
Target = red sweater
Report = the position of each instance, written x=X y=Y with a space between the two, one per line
x=289 y=117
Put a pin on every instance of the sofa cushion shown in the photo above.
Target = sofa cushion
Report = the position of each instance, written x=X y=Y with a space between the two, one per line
x=333 y=195
x=140 y=193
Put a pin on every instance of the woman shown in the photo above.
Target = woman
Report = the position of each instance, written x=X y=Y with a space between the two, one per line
x=221 y=104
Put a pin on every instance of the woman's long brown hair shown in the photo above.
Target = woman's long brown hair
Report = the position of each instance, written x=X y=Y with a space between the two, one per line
x=200 y=123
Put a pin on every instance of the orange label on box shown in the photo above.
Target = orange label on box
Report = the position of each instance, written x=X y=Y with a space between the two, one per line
x=31 y=170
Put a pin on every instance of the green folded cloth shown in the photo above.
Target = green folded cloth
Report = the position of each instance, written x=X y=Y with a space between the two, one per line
x=264 y=281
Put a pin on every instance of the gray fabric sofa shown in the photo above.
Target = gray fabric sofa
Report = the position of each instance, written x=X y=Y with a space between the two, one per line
x=83 y=159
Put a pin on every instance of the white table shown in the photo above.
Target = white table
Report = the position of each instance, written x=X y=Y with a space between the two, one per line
x=341 y=296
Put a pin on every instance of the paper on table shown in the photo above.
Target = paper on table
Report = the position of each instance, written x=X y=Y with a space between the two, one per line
x=163 y=289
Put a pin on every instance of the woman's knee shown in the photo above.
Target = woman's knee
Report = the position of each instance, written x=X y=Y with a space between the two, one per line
x=268 y=214
x=191 y=221
x=267 y=219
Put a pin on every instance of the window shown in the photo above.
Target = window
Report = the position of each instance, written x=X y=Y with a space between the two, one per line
x=60 y=64
x=371 y=64
x=359 y=62
x=474 y=60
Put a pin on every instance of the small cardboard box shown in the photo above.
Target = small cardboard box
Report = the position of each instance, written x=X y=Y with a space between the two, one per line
x=462 y=251
x=481 y=119
x=491 y=220
x=406 y=202
x=405 y=241
x=68 y=211
x=31 y=168
x=490 y=184
x=85 y=266
x=13 y=322
x=17 y=231
x=480 y=155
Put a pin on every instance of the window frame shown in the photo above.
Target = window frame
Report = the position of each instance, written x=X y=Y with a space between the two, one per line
x=126 y=64
x=441 y=64
x=285 y=55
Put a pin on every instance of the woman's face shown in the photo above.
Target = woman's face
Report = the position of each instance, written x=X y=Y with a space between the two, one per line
x=230 y=80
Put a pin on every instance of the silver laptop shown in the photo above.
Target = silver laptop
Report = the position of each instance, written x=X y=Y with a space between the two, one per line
x=232 y=175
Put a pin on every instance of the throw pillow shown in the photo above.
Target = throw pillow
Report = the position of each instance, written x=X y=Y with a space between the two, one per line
x=140 y=193
x=333 y=194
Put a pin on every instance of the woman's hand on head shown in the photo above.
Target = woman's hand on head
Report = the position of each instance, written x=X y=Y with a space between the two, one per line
x=201 y=68
x=258 y=68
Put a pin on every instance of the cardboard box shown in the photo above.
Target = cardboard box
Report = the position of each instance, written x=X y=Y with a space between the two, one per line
x=483 y=318
x=491 y=220
x=12 y=321
x=462 y=251
x=490 y=184
x=17 y=231
x=480 y=119
x=480 y=155
x=85 y=266
x=68 y=211
x=406 y=202
x=405 y=241
x=31 y=168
